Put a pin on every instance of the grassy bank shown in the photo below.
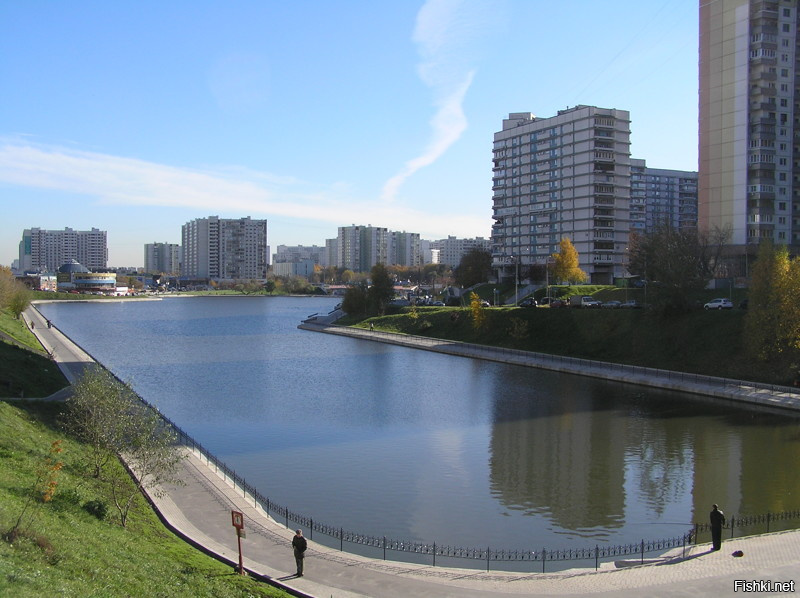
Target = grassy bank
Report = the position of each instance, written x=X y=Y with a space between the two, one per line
x=25 y=369
x=66 y=551
x=703 y=342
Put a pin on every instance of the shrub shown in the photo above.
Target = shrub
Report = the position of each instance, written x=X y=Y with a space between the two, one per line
x=97 y=508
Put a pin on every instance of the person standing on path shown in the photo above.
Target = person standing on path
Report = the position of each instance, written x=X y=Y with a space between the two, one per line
x=717 y=521
x=299 y=545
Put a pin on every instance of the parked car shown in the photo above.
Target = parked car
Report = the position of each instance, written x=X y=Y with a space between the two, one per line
x=586 y=301
x=719 y=303
x=558 y=303
x=612 y=305
x=527 y=302
x=631 y=304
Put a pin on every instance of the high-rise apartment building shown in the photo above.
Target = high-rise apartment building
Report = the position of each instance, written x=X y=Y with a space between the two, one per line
x=361 y=247
x=749 y=154
x=404 y=249
x=48 y=250
x=563 y=176
x=451 y=250
x=222 y=248
x=162 y=257
x=662 y=197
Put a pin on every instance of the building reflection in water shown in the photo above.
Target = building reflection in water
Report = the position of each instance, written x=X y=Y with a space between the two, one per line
x=594 y=456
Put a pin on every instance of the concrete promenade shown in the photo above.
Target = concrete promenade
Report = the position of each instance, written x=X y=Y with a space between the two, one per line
x=726 y=389
x=200 y=512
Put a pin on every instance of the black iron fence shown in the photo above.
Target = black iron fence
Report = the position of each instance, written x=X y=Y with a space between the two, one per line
x=381 y=546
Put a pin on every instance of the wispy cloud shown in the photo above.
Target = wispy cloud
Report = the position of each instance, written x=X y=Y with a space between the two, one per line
x=115 y=180
x=443 y=30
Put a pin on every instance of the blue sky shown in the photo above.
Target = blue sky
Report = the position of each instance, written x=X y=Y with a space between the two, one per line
x=136 y=117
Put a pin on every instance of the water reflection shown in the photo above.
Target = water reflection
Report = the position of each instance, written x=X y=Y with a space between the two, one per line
x=415 y=445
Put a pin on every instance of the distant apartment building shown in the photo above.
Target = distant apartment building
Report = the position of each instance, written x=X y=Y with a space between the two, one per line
x=449 y=251
x=661 y=197
x=225 y=249
x=330 y=256
x=404 y=249
x=749 y=124
x=287 y=254
x=162 y=257
x=361 y=247
x=48 y=250
x=297 y=260
x=562 y=176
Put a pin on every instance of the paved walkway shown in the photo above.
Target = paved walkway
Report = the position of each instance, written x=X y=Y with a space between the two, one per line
x=200 y=512
x=727 y=389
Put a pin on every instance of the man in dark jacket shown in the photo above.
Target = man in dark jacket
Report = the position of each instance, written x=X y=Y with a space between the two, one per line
x=717 y=521
x=299 y=545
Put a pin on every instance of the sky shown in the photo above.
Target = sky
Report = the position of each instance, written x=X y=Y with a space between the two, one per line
x=137 y=117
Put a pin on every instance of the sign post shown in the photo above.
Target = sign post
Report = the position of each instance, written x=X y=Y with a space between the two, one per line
x=237 y=519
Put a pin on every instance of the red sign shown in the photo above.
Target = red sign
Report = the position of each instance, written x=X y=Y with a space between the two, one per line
x=237 y=519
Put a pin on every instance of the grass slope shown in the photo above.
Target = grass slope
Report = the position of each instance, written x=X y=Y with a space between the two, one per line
x=66 y=551
x=25 y=370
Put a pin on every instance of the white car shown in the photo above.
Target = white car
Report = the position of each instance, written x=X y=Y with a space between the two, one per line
x=720 y=303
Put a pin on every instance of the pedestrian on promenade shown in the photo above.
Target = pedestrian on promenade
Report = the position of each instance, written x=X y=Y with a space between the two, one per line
x=717 y=521
x=299 y=545
x=33 y=325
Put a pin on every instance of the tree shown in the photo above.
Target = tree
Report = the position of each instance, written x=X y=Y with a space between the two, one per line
x=474 y=267
x=565 y=267
x=478 y=311
x=108 y=416
x=14 y=295
x=381 y=291
x=150 y=450
x=355 y=300
x=772 y=324
x=94 y=414
x=679 y=260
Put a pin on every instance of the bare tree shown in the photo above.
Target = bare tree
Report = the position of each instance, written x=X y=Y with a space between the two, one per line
x=108 y=416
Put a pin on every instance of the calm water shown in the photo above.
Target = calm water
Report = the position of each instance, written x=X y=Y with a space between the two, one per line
x=414 y=445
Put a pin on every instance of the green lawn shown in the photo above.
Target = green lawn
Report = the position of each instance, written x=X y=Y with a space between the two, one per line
x=66 y=551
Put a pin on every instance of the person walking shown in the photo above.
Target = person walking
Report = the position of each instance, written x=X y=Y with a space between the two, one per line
x=717 y=521
x=299 y=545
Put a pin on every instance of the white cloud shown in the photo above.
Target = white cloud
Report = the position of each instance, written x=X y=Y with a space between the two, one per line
x=442 y=32
x=115 y=180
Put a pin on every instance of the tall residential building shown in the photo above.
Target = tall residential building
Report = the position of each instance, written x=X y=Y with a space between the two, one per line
x=563 y=176
x=404 y=249
x=661 y=197
x=162 y=257
x=748 y=150
x=50 y=249
x=451 y=250
x=361 y=247
x=288 y=254
x=222 y=248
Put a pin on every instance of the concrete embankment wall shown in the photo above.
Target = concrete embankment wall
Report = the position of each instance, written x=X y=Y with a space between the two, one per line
x=766 y=395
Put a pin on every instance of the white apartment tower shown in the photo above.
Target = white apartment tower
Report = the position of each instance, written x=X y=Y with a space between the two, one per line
x=563 y=176
x=162 y=257
x=749 y=123
x=222 y=248
x=361 y=247
x=48 y=250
